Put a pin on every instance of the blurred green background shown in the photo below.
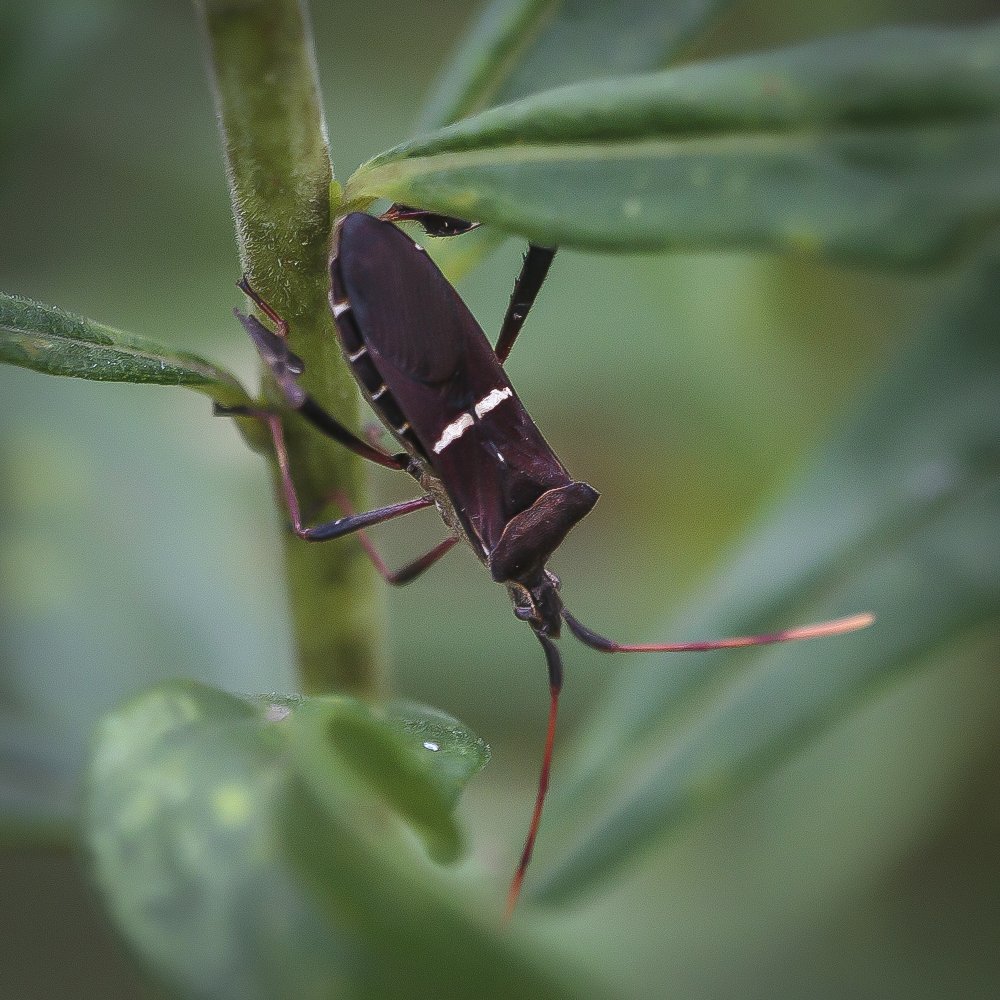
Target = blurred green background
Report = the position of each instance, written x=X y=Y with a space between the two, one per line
x=138 y=539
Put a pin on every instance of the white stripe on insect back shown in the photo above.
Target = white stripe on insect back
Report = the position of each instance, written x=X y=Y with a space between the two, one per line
x=453 y=432
x=492 y=400
x=461 y=424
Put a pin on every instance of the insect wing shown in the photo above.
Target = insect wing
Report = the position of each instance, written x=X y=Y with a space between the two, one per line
x=442 y=378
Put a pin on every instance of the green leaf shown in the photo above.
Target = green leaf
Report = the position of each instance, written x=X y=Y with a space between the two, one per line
x=451 y=754
x=416 y=763
x=882 y=148
x=48 y=340
x=181 y=800
x=239 y=859
x=428 y=944
x=901 y=508
x=518 y=47
x=482 y=59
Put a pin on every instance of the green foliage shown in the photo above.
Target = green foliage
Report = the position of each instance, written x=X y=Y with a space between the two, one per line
x=914 y=474
x=290 y=846
x=48 y=340
x=208 y=818
x=519 y=47
x=880 y=148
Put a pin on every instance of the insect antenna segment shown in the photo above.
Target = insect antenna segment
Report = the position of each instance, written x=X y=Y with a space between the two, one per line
x=837 y=626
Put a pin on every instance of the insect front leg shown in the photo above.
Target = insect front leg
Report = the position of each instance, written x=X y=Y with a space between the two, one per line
x=286 y=369
x=534 y=269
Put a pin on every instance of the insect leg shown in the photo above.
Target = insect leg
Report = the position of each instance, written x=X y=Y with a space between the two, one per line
x=409 y=572
x=838 y=626
x=535 y=267
x=341 y=525
x=286 y=368
x=356 y=522
x=433 y=223
x=554 y=663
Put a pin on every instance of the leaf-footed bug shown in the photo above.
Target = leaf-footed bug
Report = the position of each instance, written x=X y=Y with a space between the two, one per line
x=425 y=366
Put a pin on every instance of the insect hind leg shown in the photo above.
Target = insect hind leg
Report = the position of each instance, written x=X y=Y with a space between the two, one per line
x=534 y=269
x=405 y=574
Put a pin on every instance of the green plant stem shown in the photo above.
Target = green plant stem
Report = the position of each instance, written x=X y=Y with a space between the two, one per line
x=267 y=100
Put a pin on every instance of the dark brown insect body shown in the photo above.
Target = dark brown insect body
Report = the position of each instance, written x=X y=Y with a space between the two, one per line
x=424 y=364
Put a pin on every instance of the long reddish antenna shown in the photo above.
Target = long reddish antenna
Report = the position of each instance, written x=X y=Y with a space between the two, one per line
x=554 y=662
x=837 y=626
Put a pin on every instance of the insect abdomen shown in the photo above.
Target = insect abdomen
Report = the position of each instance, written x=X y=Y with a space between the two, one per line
x=366 y=374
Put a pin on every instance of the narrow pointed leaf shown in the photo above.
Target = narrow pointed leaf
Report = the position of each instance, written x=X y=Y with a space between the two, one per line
x=518 y=47
x=484 y=57
x=898 y=515
x=880 y=148
x=48 y=340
